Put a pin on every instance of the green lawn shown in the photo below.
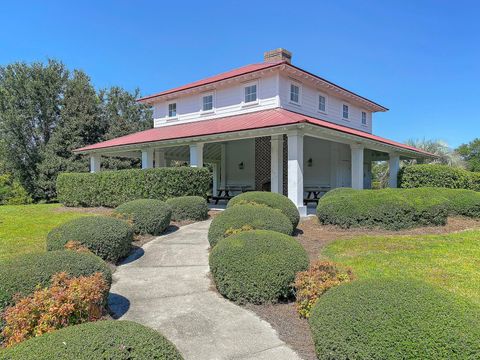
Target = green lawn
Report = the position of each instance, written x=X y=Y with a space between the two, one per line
x=451 y=261
x=23 y=228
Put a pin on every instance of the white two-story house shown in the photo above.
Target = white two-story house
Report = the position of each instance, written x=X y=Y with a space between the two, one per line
x=267 y=126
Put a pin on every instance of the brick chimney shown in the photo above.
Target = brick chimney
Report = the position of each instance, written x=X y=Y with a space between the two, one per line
x=277 y=55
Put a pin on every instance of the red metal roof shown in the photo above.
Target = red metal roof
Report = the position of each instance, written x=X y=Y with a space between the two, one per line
x=249 y=121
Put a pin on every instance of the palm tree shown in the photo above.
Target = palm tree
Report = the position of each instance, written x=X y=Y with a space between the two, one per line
x=445 y=154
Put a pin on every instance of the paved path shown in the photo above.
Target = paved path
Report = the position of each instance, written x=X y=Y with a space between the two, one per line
x=169 y=290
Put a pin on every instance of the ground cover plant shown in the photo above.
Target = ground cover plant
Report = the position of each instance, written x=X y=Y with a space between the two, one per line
x=148 y=216
x=119 y=340
x=257 y=266
x=193 y=208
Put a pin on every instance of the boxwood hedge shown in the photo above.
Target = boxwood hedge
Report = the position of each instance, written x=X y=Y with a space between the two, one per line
x=21 y=274
x=112 y=188
x=188 y=208
x=96 y=340
x=107 y=237
x=257 y=266
x=247 y=217
x=148 y=216
x=387 y=319
x=273 y=200
x=433 y=175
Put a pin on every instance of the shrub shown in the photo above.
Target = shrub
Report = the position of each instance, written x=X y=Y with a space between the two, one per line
x=310 y=284
x=112 y=188
x=387 y=208
x=462 y=202
x=147 y=215
x=68 y=301
x=433 y=175
x=386 y=319
x=21 y=274
x=247 y=217
x=109 y=238
x=273 y=200
x=12 y=192
x=120 y=340
x=188 y=208
x=257 y=266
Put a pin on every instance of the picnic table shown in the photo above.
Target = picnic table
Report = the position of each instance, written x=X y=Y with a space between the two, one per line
x=227 y=192
x=314 y=193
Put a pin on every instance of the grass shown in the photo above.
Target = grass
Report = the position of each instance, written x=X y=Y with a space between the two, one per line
x=23 y=228
x=449 y=261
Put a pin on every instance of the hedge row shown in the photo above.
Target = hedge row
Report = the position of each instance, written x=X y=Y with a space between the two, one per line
x=120 y=340
x=432 y=175
x=112 y=188
x=387 y=319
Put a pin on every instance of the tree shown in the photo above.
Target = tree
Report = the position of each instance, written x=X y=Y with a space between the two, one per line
x=470 y=153
x=445 y=154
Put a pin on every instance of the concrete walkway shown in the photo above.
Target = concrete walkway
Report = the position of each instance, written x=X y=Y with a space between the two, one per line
x=168 y=289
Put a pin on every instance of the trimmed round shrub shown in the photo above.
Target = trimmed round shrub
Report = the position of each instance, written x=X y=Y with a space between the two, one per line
x=107 y=339
x=247 y=217
x=109 y=238
x=21 y=274
x=257 y=266
x=387 y=319
x=188 y=208
x=462 y=202
x=434 y=175
x=148 y=216
x=273 y=200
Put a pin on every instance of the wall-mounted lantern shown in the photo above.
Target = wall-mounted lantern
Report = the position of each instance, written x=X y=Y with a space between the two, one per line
x=241 y=166
x=310 y=162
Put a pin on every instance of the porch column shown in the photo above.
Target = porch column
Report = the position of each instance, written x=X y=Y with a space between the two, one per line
x=295 y=170
x=393 y=168
x=196 y=155
x=160 y=159
x=215 y=179
x=276 y=180
x=95 y=161
x=147 y=158
x=357 y=166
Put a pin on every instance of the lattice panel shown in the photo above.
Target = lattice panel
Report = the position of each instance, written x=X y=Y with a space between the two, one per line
x=262 y=163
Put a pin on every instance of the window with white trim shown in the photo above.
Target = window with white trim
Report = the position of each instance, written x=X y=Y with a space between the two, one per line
x=322 y=103
x=207 y=102
x=345 y=111
x=172 y=110
x=364 y=118
x=250 y=93
x=294 y=93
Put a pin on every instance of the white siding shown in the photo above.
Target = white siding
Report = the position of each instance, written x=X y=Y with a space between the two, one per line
x=308 y=105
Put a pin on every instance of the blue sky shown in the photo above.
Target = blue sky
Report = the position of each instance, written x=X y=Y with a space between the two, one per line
x=421 y=59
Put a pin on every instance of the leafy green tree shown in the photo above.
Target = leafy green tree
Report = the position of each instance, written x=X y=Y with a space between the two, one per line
x=445 y=154
x=470 y=153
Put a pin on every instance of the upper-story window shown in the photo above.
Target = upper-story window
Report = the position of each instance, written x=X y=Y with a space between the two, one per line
x=364 y=118
x=294 y=93
x=251 y=93
x=322 y=103
x=345 y=111
x=172 y=110
x=207 y=102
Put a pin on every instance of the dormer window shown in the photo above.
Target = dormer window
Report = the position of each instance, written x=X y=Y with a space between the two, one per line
x=322 y=103
x=250 y=93
x=207 y=102
x=345 y=111
x=364 y=118
x=172 y=110
x=294 y=93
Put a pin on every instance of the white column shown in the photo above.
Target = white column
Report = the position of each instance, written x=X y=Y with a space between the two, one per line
x=223 y=166
x=147 y=158
x=357 y=166
x=196 y=155
x=160 y=159
x=393 y=167
x=276 y=180
x=95 y=161
x=295 y=170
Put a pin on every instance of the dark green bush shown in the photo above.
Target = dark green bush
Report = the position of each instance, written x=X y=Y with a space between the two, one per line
x=462 y=202
x=432 y=175
x=21 y=274
x=273 y=200
x=386 y=319
x=188 y=208
x=96 y=340
x=147 y=215
x=247 y=217
x=386 y=208
x=12 y=192
x=109 y=238
x=257 y=266
x=112 y=188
